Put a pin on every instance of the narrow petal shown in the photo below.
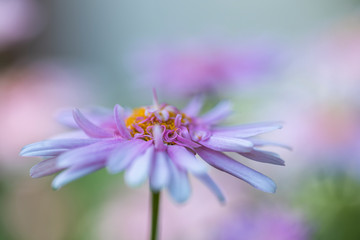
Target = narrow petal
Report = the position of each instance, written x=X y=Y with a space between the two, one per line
x=119 y=115
x=261 y=143
x=95 y=114
x=247 y=130
x=55 y=145
x=74 y=173
x=194 y=106
x=125 y=153
x=185 y=159
x=140 y=168
x=226 y=144
x=158 y=138
x=88 y=127
x=187 y=142
x=205 y=178
x=45 y=168
x=264 y=156
x=160 y=173
x=229 y=165
x=89 y=154
x=179 y=186
x=45 y=153
x=218 y=113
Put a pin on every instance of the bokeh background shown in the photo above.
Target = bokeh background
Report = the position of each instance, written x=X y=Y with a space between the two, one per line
x=295 y=61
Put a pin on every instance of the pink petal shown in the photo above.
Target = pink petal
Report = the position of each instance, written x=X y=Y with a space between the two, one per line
x=88 y=127
x=120 y=123
x=229 y=165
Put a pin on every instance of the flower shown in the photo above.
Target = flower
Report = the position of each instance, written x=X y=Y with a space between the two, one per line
x=198 y=67
x=261 y=225
x=20 y=21
x=158 y=142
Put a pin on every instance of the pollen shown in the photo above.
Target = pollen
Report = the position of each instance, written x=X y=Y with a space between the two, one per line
x=142 y=120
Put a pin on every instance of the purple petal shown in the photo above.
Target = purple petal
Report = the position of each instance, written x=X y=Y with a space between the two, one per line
x=54 y=146
x=218 y=113
x=185 y=159
x=212 y=185
x=187 y=142
x=158 y=138
x=88 y=127
x=95 y=114
x=140 y=168
x=247 y=130
x=229 y=165
x=120 y=123
x=194 y=106
x=45 y=168
x=226 y=144
x=125 y=153
x=179 y=186
x=261 y=143
x=264 y=156
x=74 y=173
x=89 y=154
x=160 y=173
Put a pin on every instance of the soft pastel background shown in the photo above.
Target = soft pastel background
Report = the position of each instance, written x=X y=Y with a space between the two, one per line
x=295 y=61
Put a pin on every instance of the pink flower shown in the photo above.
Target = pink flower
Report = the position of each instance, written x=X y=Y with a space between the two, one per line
x=196 y=68
x=158 y=142
x=265 y=225
x=20 y=20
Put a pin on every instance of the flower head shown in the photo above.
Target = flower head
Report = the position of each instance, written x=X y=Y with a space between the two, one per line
x=201 y=67
x=158 y=142
x=261 y=225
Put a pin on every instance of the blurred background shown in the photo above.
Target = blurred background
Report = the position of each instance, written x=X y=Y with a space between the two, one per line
x=298 y=62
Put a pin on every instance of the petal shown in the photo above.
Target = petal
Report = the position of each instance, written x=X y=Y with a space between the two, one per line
x=226 y=144
x=247 y=130
x=179 y=186
x=221 y=111
x=194 y=106
x=74 y=173
x=264 y=156
x=157 y=132
x=95 y=114
x=187 y=142
x=212 y=185
x=261 y=143
x=88 y=127
x=185 y=159
x=229 y=165
x=119 y=116
x=45 y=168
x=140 y=168
x=54 y=146
x=125 y=153
x=160 y=173
x=89 y=154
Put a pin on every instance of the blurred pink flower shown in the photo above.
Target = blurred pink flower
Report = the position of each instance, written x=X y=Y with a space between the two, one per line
x=200 y=67
x=20 y=20
x=263 y=225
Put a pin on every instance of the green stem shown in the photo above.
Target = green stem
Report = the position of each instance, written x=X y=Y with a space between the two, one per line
x=154 y=214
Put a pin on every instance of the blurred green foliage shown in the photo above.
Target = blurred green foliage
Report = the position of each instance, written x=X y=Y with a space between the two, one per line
x=331 y=202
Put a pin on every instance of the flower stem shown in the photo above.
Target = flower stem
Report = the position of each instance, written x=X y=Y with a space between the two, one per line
x=154 y=214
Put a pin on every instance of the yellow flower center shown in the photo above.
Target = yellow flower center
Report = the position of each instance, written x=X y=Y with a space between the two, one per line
x=143 y=119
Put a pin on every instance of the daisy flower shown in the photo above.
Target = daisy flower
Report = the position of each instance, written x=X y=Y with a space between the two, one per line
x=202 y=67
x=159 y=143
